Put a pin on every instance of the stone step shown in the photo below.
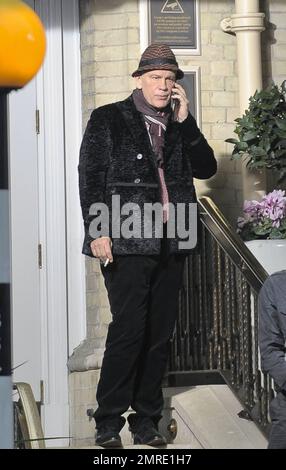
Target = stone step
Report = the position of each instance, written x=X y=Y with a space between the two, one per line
x=206 y=418
x=210 y=413
x=132 y=446
x=168 y=446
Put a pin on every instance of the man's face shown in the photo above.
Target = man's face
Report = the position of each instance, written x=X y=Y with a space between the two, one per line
x=156 y=86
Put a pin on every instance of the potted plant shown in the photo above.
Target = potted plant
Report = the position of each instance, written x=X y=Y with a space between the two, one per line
x=261 y=141
x=261 y=131
x=263 y=227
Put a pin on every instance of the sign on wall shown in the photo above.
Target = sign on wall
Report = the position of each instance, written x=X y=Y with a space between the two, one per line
x=172 y=22
x=191 y=85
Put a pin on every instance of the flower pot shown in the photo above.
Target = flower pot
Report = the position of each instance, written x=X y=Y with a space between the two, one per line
x=271 y=254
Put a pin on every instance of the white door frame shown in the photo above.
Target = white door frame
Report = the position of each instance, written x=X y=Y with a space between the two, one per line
x=73 y=136
x=26 y=321
x=63 y=271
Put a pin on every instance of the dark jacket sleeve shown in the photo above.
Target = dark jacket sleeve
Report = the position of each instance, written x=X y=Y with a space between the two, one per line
x=271 y=338
x=203 y=162
x=94 y=160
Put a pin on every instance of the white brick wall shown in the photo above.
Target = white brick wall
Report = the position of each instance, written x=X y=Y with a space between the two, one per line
x=274 y=41
x=82 y=386
x=109 y=42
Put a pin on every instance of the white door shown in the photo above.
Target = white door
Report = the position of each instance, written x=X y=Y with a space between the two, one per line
x=25 y=237
x=45 y=131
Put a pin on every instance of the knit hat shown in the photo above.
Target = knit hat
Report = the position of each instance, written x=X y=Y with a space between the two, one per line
x=158 y=57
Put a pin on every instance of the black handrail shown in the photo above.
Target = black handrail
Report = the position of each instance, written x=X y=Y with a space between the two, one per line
x=231 y=243
x=216 y=335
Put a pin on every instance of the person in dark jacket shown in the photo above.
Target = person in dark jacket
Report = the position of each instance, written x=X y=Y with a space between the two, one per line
x=135 y=154
x=272 y=340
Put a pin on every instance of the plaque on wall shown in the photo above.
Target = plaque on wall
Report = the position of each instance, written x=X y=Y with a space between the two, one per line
x=191 y=85
x=173 y=22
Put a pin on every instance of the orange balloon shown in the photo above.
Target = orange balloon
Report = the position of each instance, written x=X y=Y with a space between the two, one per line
x=22 y=43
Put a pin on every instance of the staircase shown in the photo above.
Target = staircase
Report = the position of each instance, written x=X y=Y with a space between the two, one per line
x=207 y=418
x=202 y=417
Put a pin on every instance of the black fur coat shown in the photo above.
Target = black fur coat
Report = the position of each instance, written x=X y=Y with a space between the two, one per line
x=116 y=157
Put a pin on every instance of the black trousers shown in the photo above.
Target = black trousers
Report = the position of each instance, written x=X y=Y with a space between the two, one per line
x=143 y=295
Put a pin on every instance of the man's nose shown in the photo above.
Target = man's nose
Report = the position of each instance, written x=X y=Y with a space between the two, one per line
x=163 y=84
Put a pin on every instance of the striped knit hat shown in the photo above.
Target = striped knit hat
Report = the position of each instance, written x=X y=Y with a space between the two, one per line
x=158 y=57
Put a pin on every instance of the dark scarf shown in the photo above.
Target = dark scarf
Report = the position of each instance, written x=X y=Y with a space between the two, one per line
x=157 y=121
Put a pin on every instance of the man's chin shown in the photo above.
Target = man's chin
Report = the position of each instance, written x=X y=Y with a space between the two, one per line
x=160 y=104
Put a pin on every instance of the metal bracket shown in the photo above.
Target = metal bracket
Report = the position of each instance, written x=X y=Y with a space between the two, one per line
x=173 y=428
x=29 y=418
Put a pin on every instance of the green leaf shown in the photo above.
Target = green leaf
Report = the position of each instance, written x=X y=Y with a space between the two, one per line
x=281 y=134
x=250 y=135
x=279 y=153
x=261 y=230
x=236 y=156
x=258 y=164
x=242 y=146
x=281 y=123
x=261 y=131
x=282 y=176
x=275 y=234
x=258 y=151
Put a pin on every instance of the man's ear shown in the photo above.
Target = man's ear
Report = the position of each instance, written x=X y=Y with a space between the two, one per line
x=138 y=82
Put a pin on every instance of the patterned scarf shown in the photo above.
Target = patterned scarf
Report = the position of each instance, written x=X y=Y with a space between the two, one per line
x=156 y=122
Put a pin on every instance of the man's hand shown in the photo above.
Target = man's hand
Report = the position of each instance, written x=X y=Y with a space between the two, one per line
x=101 y=248
x=178 y=93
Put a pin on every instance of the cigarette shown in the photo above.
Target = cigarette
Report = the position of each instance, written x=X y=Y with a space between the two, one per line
x=106 y=262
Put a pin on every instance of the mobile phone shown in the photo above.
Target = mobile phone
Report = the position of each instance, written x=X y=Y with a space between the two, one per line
x=175 y=108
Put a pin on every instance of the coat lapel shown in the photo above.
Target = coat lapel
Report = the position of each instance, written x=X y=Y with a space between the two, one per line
x=135 y=123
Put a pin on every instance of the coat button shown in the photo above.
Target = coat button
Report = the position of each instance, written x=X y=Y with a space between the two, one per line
x=139 y=156
x=137 y=180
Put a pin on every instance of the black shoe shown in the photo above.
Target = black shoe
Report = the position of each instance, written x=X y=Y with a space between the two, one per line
x=108 y=432
x=149 y=437
x=145 y=432
x=108 y=437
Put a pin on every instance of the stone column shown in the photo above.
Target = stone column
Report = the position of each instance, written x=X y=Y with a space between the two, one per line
x=247 y=24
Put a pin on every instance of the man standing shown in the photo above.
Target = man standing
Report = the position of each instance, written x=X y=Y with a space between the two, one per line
x=145 y=152
x=272 y=340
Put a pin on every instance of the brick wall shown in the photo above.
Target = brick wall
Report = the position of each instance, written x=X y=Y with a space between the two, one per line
x=274 y=41
x=110 y=50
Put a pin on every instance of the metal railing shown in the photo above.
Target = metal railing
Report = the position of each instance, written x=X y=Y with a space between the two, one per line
x=216 y=334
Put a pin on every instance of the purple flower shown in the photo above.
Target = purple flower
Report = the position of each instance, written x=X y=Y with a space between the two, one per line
x=261 y=218
x=251 y=207
x=241 y=222
x=273 y=205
